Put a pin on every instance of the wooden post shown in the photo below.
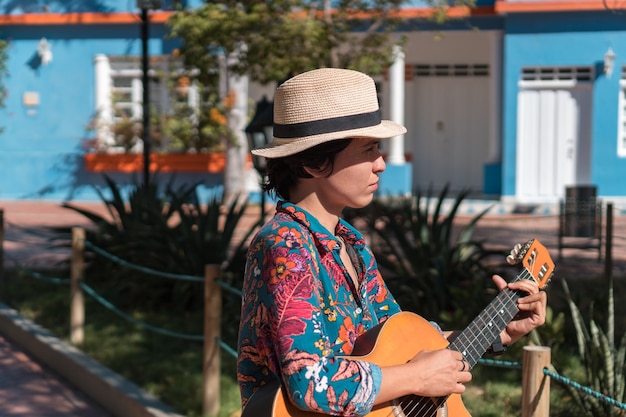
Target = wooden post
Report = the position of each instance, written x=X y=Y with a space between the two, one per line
x=535 y=384
x=212 y=322
x=608 y=243
x=77 y=302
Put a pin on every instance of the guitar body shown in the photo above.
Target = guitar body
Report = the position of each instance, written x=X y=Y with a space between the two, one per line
x=394 y=342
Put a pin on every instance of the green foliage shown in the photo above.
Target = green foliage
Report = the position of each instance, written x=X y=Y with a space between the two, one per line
x=603 y=360
x=169 y=232
x=200 y=128
x=271 y=40
x=441 y=7
x=425 y=269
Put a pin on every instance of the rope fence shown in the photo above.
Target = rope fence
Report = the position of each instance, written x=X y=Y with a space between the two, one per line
x=536 y=367
x=213 y=286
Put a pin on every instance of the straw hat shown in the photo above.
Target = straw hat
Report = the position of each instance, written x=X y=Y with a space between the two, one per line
x=323 y=105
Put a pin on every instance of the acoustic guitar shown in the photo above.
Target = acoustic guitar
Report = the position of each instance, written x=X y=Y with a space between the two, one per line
x=405 y=334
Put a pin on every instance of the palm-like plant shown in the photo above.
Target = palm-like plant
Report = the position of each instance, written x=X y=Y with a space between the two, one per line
x=168 y=231
x=604 y=361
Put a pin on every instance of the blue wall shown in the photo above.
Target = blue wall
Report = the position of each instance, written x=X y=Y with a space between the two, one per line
x=568 y=39
x=40 y=148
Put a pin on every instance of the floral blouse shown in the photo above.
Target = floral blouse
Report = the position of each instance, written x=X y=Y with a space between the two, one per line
x=302 y=313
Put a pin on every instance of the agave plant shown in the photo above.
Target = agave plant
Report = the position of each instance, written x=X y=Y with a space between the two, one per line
x=426 y=270
x=171 y=231
x=603 y=360
x=207 y=233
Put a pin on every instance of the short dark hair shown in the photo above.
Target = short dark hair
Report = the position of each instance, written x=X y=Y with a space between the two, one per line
x=284 y=173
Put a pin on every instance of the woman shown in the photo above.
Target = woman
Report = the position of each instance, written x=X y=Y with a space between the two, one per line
x=312 y=285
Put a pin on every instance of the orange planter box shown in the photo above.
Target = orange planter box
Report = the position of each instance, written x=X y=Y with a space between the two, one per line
x=197 y=162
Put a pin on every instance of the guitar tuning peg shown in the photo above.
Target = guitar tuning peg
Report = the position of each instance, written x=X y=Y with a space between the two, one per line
x=514 y=257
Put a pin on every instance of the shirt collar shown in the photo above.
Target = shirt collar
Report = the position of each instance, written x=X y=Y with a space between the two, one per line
x=343 y=229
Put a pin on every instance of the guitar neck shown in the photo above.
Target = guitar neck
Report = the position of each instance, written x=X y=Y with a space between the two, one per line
x=476 y=339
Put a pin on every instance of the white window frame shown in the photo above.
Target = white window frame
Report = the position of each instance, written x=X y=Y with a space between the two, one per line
x=109 y=69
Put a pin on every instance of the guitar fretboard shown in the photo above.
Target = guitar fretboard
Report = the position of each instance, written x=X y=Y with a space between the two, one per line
x=476 y=339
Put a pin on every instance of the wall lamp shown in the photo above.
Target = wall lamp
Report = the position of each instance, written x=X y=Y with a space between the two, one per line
x=609 y=62
x=44 y=51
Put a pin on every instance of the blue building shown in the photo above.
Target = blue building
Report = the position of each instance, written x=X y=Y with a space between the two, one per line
x=516 y=100
x=563 y=99
x=57 y=51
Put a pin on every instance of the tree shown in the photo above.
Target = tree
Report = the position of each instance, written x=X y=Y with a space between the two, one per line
x=277 y=38
x=274 y=39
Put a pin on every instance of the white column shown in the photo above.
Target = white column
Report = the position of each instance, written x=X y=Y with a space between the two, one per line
x=396 y=92
x=104 y=106
x=495 y=140
x=236 y=154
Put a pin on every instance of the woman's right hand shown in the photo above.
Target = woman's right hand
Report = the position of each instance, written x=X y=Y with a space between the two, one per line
x=439 y=373
x=431 y=373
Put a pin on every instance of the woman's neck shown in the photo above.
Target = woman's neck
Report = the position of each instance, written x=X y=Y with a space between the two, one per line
x=327 y=217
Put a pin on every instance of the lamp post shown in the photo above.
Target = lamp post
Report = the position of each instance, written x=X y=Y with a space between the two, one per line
x=146 y=5
x=260 y=132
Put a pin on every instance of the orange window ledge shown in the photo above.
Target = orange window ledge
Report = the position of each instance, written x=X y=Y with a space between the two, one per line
x=200 y=162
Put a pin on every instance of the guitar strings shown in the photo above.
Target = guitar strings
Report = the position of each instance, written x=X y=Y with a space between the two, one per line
x=428 y=407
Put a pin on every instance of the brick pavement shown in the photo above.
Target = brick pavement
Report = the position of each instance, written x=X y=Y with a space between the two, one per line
x=29 y=389
x=503 y=231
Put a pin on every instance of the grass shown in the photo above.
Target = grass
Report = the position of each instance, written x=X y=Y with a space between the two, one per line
x=171 y=368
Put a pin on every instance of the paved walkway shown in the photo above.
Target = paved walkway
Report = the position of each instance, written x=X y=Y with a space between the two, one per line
x=29 y=389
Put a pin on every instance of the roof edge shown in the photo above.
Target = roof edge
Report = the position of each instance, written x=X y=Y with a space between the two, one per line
x=503 y=6
x=81 y=18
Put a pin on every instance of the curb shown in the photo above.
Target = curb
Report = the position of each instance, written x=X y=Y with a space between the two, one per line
x=108 y=389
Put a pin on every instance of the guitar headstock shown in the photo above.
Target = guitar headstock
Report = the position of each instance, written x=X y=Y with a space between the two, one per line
x=536 y=260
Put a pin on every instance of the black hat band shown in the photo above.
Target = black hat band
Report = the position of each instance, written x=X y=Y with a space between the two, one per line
x=334 y=124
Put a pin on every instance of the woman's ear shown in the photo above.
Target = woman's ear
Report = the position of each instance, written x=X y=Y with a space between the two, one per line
x=314 y=172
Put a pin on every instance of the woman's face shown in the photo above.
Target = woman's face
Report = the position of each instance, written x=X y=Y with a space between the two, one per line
x=355 y=175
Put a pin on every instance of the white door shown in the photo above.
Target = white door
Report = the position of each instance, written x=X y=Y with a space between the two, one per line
x=553 y=141
x=449 y=116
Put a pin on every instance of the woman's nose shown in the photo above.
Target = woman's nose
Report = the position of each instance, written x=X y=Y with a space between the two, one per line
x=379 y=164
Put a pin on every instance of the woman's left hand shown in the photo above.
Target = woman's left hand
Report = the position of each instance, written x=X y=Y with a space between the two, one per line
x=532 y=309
